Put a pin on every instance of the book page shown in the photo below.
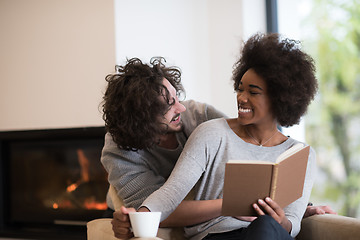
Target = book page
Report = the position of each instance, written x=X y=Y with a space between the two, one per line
x=290 y=151
x=249 y=162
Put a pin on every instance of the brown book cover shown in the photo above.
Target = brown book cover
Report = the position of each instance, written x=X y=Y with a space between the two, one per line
x=247 y=181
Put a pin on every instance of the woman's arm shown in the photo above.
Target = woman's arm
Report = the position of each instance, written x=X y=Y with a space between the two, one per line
x=191 y=212
x=190 y=166
x=183 y=178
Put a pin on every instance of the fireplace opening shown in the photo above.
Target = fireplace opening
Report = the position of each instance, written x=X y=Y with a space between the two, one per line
x=52 y=182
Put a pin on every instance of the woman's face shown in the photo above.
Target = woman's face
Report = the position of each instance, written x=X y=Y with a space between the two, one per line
x=253 y=100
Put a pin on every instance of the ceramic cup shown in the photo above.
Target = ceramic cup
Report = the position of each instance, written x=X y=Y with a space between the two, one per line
x=145 y=224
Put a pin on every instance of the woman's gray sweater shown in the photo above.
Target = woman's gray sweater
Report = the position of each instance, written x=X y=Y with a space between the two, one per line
x=202 y=162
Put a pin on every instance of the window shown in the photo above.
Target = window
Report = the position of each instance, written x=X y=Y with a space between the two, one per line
x=330 y=32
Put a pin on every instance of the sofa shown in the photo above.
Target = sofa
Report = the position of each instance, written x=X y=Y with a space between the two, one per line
x=317 y=227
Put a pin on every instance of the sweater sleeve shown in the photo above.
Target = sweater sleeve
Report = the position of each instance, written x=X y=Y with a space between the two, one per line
x=181 y=181
x=190 y=166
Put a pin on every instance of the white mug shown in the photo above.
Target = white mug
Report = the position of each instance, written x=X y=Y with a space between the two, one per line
x=145 y=224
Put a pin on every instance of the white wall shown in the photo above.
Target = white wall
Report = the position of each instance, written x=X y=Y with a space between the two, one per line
x=55 y=54
x=54 y=57
x=201 y=37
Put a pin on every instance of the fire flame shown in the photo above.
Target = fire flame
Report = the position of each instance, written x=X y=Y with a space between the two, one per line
x=72 y=187
x=89 y=203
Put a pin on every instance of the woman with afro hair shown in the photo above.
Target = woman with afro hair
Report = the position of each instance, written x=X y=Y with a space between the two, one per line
x=275 y=82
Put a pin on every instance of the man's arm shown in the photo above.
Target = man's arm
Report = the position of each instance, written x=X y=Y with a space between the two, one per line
x=198 y=113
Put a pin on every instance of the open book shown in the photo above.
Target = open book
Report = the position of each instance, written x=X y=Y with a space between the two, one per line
x=247 y=181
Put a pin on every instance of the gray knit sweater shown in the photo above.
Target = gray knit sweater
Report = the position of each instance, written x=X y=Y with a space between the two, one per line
x=135 y=175
x=202 y=162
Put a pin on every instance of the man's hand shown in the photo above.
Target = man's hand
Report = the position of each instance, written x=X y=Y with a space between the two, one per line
x=121 y=223
x=272 y=209
x=315 y=210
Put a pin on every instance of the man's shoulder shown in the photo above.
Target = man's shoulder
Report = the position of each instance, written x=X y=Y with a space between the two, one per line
x=194 y=115
x=193 y=105
x=111 y=150
x=197 y=113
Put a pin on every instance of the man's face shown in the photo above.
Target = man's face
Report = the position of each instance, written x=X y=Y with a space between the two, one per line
x=172 y=118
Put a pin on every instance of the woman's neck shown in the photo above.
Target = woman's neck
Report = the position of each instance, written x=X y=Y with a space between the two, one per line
x=261 y=138
x=266 y=135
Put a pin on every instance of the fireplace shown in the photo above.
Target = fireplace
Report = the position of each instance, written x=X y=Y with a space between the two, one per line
x=51 y=182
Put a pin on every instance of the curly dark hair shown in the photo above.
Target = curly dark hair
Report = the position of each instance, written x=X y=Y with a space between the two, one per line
x=131 y=103
x=288 y=72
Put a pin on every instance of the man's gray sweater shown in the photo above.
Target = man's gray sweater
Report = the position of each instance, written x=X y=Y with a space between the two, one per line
x=137 y=174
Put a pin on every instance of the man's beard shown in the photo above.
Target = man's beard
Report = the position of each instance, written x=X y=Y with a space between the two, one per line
x=174 y=129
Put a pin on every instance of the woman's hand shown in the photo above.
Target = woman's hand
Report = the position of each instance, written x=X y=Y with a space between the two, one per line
x=121 y=223
x=272 y=209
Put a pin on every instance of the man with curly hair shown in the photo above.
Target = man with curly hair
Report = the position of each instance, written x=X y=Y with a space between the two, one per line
x=147 y=129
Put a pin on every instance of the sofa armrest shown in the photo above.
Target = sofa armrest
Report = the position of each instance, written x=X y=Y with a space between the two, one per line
x=100 y=229
x=317 y=227
x=329 y=227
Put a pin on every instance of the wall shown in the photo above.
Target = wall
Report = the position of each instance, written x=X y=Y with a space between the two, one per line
x=55 y=53
x=54 y=56
x=201 y=37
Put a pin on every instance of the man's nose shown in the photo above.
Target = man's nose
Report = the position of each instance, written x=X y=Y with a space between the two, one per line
x=180 y=107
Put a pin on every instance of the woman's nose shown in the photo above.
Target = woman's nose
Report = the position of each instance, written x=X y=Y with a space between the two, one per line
x=242 y=97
